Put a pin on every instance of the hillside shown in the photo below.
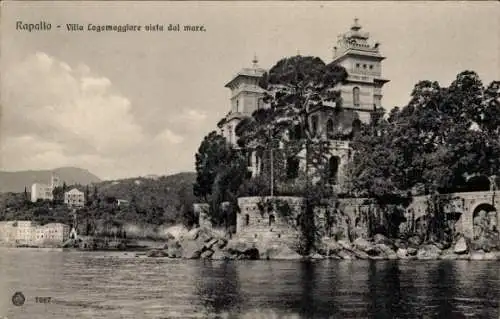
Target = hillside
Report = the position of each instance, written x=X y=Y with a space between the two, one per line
x=17 y=181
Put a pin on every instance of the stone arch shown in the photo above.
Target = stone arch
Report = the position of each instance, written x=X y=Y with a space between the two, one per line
x=484 y=219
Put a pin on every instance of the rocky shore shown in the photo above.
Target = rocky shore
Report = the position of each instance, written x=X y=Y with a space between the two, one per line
x=203 y=243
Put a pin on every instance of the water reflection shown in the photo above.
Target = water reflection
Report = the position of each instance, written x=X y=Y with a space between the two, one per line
x=90 y=285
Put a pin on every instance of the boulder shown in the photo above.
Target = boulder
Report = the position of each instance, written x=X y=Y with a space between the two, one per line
x=211 y=243
x=221 y=243
x=157 y=253
x=362 y=244
x=414 y=241
x=428 y=252
x=344 y=244
x=316 y=256
x=411 y=251
x=399 y=243
x=205 y=235
x=448 y=254
x=329 y=247
x=174 y=251
x=345 y=255
x=402 y=253
x=477 y=255
x=222 y=255
x=207 y=254
x=279 y=252
x=192 y=234
x=238 y=246
x=461 y=246
x=192 y=249
x=382 y=239
x=360 y=254
x=491 y=256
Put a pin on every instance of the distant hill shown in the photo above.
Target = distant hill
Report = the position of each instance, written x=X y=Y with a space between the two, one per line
x=17 y=181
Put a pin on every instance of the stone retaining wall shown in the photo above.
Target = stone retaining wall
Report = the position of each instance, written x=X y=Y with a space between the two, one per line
x=260 y=218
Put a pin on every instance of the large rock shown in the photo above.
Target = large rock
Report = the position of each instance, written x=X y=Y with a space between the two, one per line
x=157 y=253
x=207 y=254
x=174 y=251
x=382 y=239
x=192 y=249
x=402 y=253
x=211 y=243
x=399 y=243
x=205 y=235
x=345 y=244
x=461 y=246
x=412 y=251
x=386 y=251
x=328 y=247
x=477 y=255
x=414 y=241
x=236 y=246
x=222 y=255
x=428 y=252
x=362 y=244
x=279 y=252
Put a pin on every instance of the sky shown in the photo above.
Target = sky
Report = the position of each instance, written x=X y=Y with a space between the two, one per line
x=137 y=103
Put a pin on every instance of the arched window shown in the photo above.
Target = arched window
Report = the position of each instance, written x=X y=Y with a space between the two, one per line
x=333 y=167
x=355 y=96
x=271 y=220
x=329 y=128
x=314 y=124
x=292 y=167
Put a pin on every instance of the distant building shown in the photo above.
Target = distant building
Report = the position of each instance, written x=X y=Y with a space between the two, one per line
x=44 y=191
x=74 y=198
x=122 y=202
x=28 y=233
x=41 y=191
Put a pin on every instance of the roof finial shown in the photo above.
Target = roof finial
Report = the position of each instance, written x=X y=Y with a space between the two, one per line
x=356 y=25
x=255 y=61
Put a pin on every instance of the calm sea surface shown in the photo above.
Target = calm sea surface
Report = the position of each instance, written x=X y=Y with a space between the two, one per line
x=114 y=285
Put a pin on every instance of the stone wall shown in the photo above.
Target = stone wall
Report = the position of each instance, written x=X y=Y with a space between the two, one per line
x=267 y=218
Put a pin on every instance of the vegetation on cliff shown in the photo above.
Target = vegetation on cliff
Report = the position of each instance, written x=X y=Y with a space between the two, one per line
x=150 y=202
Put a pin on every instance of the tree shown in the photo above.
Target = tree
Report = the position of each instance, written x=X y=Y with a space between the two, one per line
x=220 y=170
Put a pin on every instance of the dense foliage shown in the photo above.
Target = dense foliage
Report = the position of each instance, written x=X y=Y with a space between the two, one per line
x=441 y=138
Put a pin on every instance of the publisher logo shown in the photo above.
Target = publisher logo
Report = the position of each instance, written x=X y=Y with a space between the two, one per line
x=18 y=299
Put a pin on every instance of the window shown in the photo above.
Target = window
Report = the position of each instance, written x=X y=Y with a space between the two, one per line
x=357 y=65
x=364 y=66
x=271 y=220
x=329 y=128
x=371 y=67
x=292 y=168
x=314 y=124
x=247 y=219
x=237 y=105
x=333 y=167
x=355 y=96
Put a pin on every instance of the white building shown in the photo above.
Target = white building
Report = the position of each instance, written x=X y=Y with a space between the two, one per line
x=41 y=191
x=74 y=198
x=44 y=191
